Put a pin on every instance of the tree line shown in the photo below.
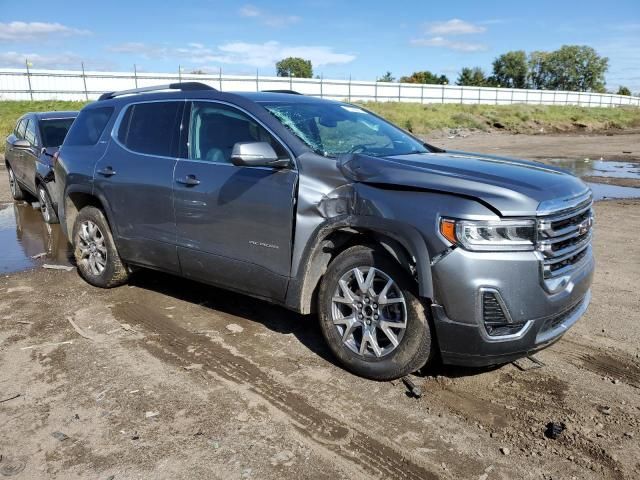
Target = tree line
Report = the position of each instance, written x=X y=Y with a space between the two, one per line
x=571 y=67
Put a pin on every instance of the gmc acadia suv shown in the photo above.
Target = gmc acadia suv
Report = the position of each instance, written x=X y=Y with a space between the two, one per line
x=404 y=250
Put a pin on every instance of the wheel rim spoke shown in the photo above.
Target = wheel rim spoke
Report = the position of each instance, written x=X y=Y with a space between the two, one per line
x=91 y=247
x=359 y=313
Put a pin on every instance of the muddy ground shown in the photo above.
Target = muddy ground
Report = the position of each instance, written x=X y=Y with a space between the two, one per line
x=164 y=378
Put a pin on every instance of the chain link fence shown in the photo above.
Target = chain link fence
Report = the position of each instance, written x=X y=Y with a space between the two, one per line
x=36 y=84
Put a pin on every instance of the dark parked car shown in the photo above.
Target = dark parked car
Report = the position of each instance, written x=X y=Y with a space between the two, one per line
x=404 y=250
x=30 y=153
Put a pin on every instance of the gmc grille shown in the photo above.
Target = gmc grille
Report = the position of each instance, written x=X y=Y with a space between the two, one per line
x=564 y=237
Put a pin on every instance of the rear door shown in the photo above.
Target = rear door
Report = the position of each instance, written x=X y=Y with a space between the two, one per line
x=135 y=176
x=14 y=154
x=234 y=224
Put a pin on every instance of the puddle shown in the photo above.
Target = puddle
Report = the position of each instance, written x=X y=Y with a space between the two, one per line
x=23 y=235
x=604 y=169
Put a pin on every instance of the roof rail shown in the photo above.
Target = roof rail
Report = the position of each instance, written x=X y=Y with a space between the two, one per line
x=184 y=86
x=290 y=92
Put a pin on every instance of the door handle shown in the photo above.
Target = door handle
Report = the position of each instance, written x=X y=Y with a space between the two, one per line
x=107 y=172
x=189 y=181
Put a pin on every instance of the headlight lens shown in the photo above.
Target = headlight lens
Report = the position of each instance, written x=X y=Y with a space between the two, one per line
x=501 y=235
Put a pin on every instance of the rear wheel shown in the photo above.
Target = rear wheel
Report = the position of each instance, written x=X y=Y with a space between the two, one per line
x=46 y=206
x=370 y=316
x=16 y=190
x=95 y=251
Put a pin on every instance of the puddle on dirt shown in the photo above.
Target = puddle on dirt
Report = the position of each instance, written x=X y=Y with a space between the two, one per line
x=604 y=169
x=23 y=235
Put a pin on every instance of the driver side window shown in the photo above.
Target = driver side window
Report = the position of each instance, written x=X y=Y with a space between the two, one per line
x=215 y=128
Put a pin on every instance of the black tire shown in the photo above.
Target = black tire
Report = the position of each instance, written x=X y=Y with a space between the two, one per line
x=416 y=346
x=16 y=190
x=114 y=272
x=49 y=215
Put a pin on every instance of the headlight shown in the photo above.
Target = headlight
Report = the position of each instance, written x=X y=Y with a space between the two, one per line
x=500 y=235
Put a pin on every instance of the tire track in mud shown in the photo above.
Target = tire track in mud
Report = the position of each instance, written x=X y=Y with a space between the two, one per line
x=600 y=362
x=177 y=345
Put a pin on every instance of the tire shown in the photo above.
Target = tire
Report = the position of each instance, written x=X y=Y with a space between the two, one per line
x=49 y=215
x=414 y=346
x=95 y=252
x=16 y=190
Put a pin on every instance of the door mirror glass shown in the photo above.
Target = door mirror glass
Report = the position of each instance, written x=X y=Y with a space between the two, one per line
x=256 y=154
x=21 y=144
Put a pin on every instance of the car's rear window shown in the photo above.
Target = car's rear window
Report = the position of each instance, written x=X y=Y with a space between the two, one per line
x=53 y=130
x=88 y=127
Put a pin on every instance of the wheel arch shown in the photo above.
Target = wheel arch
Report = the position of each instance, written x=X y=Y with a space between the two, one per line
x=76 y=199
x=403 y=242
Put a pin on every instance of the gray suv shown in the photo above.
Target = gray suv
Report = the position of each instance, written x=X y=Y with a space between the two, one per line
x=406 y=252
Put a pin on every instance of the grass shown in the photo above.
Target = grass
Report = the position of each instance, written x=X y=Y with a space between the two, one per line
x=10 y=111
x=422 y=119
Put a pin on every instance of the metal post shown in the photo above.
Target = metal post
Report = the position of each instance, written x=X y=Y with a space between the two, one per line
x=84 y=80
x=375 y=91
x=526 y=97
x=399 y=92
x=135 y=75
x=26 y=62
x=220 y=78
x=421 y=94
x=257 y=80
x=443 y=93
x=511 y=96
x=179 y=74
x=480 y=93
x=321 y=79
x=349 y=87
x=461 y=94
x=554 y=97
x=496 y=96
x=290 y=81
x=590 y=97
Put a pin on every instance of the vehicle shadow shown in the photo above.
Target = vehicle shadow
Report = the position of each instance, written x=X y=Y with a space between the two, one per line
x=277 y=319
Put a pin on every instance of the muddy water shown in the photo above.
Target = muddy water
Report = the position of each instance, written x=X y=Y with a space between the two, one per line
x=23 y=235
x=604 y=169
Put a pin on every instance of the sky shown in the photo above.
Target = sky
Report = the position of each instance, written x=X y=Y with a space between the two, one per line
x=361 y=39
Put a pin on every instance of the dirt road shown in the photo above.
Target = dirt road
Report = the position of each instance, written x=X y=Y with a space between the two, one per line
x=165 y=378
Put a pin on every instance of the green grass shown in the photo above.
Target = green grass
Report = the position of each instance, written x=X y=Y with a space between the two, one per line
x=422 y=119
x=10 y=112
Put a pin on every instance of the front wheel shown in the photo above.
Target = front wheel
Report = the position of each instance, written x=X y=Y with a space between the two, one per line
x=46 y=206
x=95 y=251
x=370 y=316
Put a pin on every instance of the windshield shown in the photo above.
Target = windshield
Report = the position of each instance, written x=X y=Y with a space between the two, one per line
x=333 y=129
x=54 y=130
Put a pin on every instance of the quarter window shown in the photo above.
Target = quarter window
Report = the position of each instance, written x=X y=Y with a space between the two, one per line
x=216 y=128
x=22 y=126
x=151 y=128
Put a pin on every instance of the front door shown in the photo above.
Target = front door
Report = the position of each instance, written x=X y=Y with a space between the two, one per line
x=136 y=177
x=234 y=224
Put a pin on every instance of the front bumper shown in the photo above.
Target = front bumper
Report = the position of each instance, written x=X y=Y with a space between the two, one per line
x=545 y=310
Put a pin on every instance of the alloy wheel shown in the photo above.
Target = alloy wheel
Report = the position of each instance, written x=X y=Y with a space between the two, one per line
x=93 y=251
x=369 y=312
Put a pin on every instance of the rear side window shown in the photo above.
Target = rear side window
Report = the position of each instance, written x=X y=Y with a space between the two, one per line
x=54 y=130
x=151 y=128
x=88 y=127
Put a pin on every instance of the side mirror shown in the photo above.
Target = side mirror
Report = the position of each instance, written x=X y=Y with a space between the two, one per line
x=256 y=154
x=21 y=145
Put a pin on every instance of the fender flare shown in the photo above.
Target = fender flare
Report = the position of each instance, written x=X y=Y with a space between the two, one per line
x=89 y=191
x=314 y=260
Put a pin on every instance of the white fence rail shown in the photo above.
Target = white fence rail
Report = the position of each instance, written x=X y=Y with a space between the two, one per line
x=22 y=84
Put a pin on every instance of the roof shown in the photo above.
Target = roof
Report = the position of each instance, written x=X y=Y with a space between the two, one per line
x=50 y=115
x=281 y=97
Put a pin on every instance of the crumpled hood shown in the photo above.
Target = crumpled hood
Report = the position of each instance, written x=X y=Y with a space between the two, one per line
x=513 y=187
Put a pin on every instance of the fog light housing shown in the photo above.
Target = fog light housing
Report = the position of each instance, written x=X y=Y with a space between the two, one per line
x=495 y=316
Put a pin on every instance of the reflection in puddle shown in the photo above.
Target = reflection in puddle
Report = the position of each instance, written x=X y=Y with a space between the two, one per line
x=24 y=235
x=604 y=169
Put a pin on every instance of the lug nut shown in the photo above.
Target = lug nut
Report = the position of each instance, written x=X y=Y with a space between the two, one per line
x=376 y=316
x=375 y=305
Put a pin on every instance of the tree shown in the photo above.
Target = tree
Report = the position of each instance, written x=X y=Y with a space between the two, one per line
x=387 y=77
x=572 y=67
x=294 y=67
x=623 y=90
x=425 y=77
x=473 y=77
x=510 y=69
